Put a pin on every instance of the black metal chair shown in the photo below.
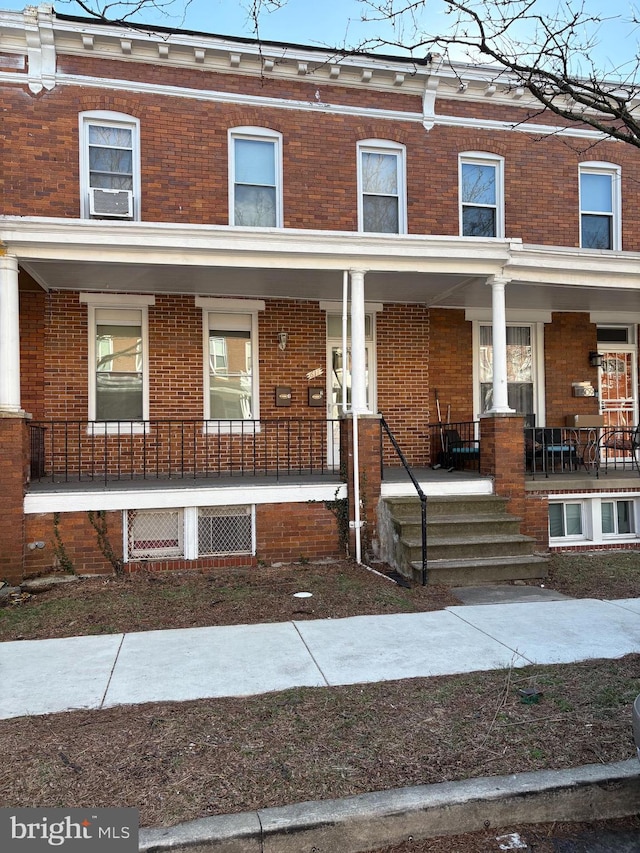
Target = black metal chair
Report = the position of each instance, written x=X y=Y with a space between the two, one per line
x=619 y=448
x=460 y=452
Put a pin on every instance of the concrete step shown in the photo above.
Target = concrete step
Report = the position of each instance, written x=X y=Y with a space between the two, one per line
x=440 y=548
x=452 y=526
x=409 y=507
x=473 y=572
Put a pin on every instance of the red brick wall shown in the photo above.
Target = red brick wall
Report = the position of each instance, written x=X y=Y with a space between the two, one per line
x=32 y=360
x=568 y=341
x=14 y=467
x=184 y=155
x=70 y=537
x=287 y=532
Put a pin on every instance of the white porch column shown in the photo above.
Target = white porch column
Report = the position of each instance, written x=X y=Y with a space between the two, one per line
x=358 y=347
x=499 y=324
x=9 y=335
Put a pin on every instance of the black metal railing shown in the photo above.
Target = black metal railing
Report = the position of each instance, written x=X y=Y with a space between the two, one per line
x=594 y=450
x=455 y=446
x=76 y=451
x=423 y=498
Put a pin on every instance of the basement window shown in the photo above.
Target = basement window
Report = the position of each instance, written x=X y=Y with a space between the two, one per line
x=565 y=520
x=189 y=532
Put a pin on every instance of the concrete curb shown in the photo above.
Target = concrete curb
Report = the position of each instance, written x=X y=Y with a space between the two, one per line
x=372 y=821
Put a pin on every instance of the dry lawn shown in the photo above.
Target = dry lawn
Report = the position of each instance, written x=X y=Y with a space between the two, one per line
x=178 y=761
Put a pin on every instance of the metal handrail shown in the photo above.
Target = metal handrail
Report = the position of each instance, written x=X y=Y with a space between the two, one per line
x=421 y=494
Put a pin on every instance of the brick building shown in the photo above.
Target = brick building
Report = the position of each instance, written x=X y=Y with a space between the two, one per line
x=220 y=261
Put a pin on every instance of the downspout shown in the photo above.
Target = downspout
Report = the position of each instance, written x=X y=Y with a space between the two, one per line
x=355 y=524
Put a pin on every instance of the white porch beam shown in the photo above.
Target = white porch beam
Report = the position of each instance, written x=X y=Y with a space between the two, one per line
x=9 y=335
x=499 y=326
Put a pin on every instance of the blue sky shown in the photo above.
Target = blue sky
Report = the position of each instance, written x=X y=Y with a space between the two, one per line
x=337 y=23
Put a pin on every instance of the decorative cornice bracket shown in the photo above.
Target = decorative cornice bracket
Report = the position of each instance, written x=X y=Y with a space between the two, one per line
x=41 y=49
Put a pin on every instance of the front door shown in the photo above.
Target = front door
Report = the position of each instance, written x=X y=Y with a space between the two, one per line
x=618 y=399
x=339 y=378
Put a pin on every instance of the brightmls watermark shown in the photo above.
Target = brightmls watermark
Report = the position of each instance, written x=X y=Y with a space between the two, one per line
x=70 y=830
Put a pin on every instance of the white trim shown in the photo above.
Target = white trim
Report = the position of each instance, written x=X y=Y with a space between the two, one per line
x=113 y=119
x=230 y=306
x=592 y=519
x=116 y=300
x=521 y=316
x=614 y=172
x=483 y=158
x=383 y=146
x=426 y=120
x=152 y=498
x=613 y=318
x=257 y=134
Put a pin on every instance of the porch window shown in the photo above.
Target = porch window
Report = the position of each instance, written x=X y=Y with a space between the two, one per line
x=565 y=520
x=381 y=187
x=225 y=530
x=481 y=195
x=520 y=369
x=255 y=177
x=617 y=518
x=230 y=375
x=109 y=166
x=118 y=372
x=599 y=206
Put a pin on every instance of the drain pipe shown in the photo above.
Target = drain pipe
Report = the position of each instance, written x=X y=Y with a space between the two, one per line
x=356 y=524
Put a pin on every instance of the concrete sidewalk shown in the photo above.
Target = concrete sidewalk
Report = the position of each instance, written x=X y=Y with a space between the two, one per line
x=50 y=676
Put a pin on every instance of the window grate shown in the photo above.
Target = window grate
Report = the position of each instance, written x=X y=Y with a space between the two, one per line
x=155 y=533
x=224 y=530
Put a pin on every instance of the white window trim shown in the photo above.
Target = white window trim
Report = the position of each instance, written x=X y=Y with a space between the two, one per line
x=116 y=120
x=384 y=146
x=592 y=519
x=584 y=518
x=539 y=382
x=596 y=167
x=116 y=302
x=259 y=134
x=226 y=307
x=484 y=158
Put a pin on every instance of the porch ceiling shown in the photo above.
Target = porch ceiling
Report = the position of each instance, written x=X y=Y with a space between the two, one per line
x=435 y=289
x=294 y=263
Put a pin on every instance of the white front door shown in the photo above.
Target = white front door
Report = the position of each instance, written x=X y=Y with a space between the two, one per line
x=339 y=389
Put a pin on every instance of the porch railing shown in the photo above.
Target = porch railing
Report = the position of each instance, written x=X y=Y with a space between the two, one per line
x=384 y=429
x=455 y=446
x=594 y=450
x=79 y=451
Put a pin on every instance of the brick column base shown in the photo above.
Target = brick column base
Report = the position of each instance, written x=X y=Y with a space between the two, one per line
x=502 y=457
x=14 y=463
x=370 y=476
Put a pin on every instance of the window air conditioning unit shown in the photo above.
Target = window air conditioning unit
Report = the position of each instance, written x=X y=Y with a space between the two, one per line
x=108 y=203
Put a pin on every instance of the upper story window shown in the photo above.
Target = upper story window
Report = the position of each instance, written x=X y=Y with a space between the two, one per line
x=382 y=204
x=600 y=206
x=109 y=166
x=255 y=177
x=481 y=195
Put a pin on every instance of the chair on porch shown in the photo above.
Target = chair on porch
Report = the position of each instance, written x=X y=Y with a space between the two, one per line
x=559 y=449
x=458 y=451
x=619 y=447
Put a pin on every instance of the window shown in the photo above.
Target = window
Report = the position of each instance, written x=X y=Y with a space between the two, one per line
x=189 y=532
x=109 y=166
x=118 y=363
x=255 y=177
x=381 y=187
x=600 y=206
x=481 y=195
x=565 y=520
x=617 y=517
x=520 y=369
x=231 y=359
